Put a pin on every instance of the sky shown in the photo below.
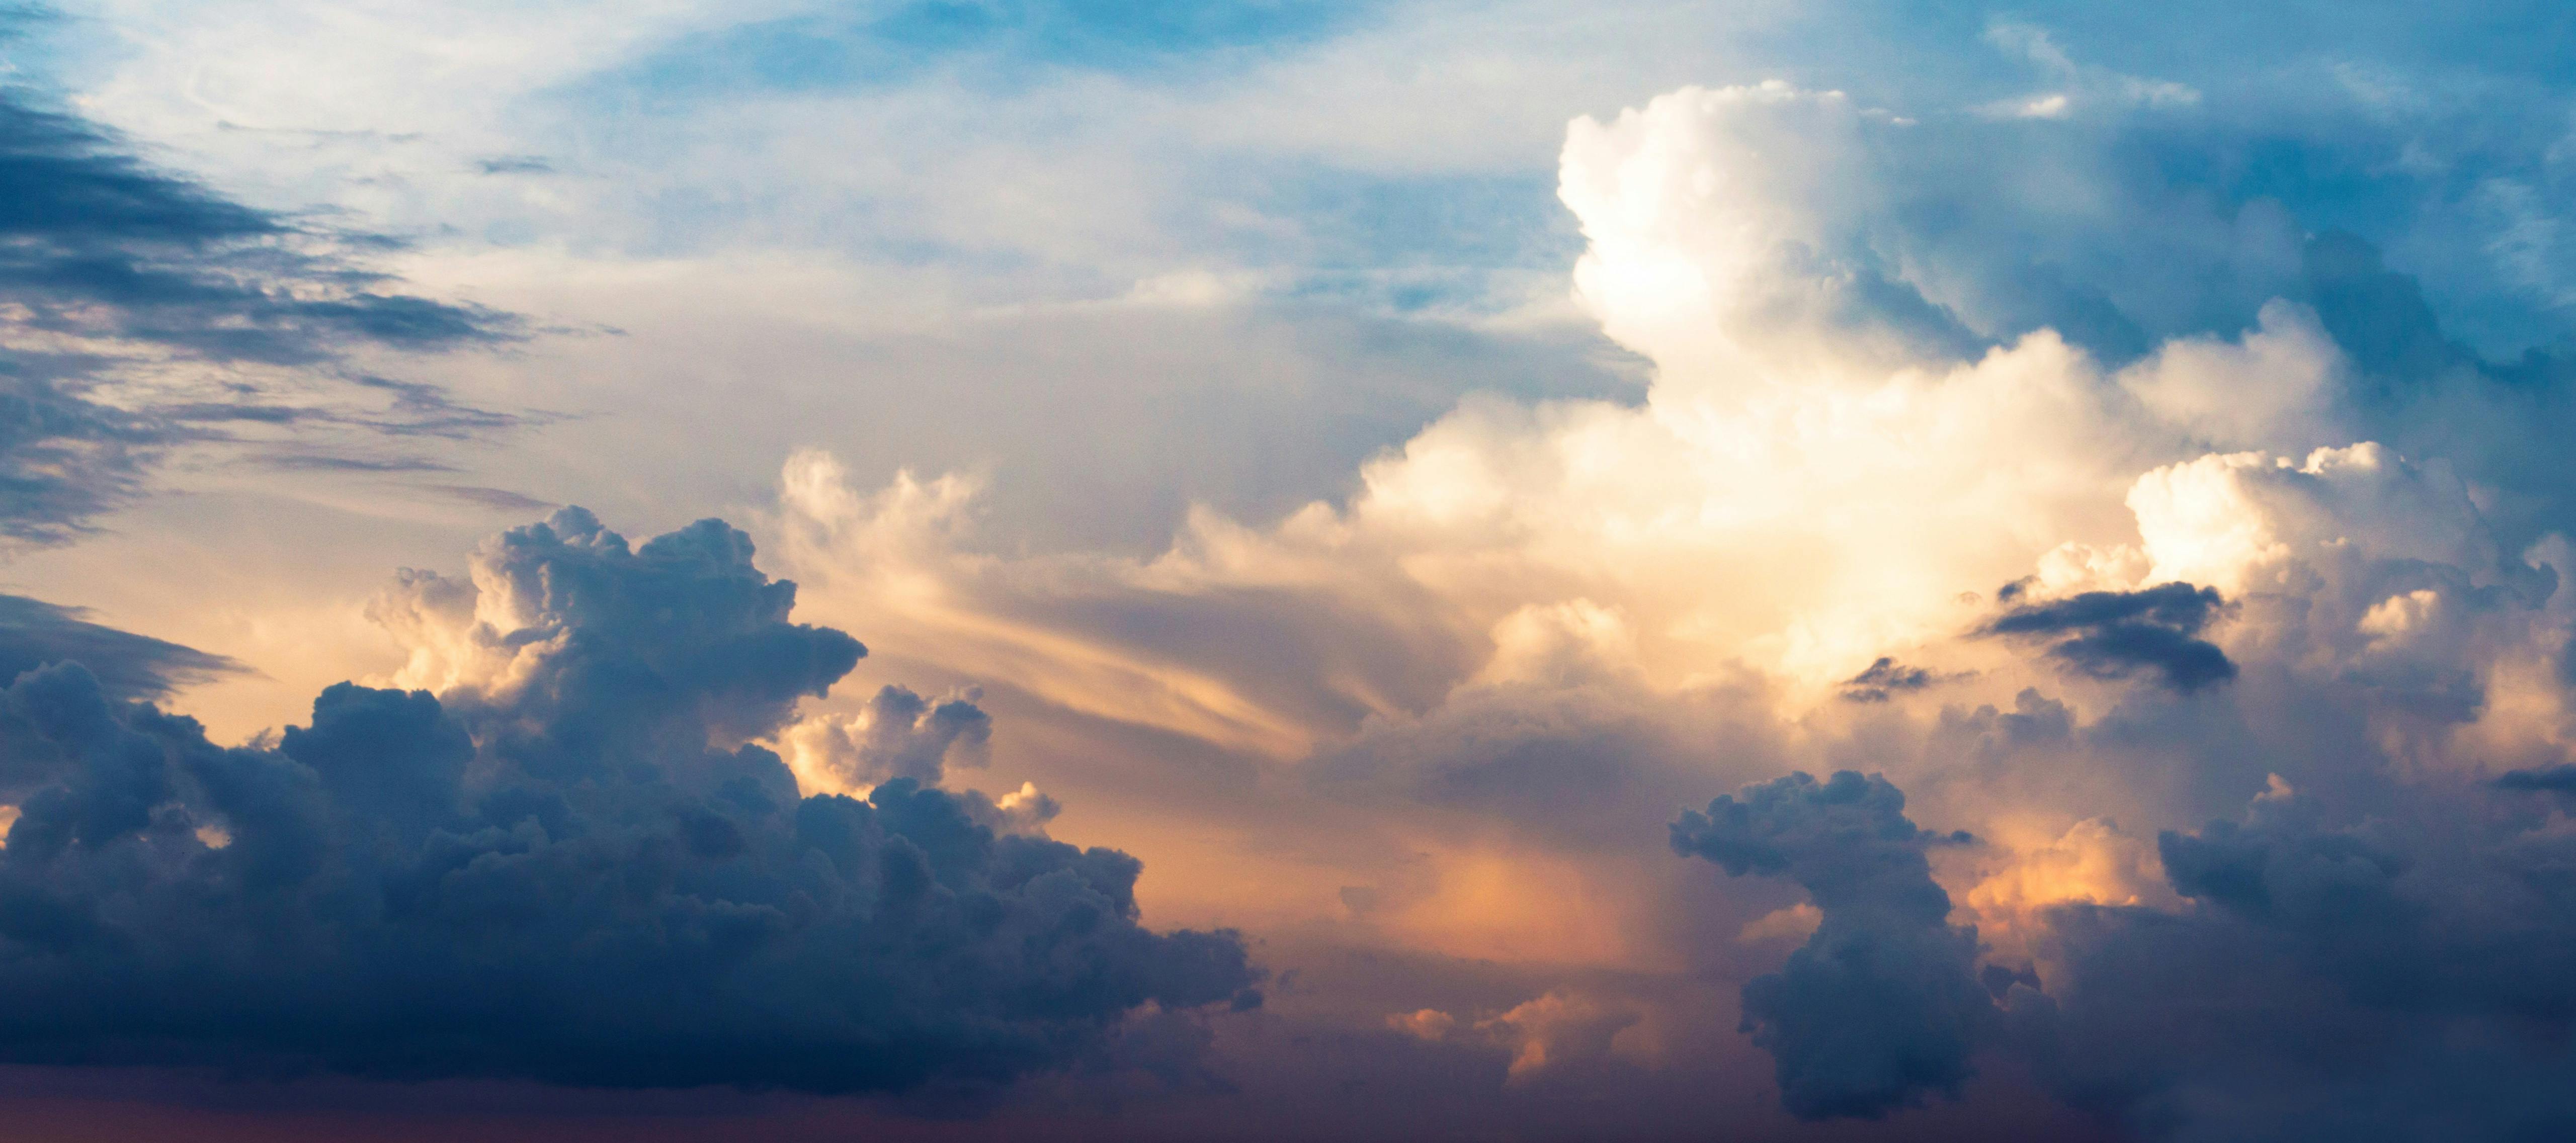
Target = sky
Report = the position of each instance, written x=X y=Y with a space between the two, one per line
x=1287 y=569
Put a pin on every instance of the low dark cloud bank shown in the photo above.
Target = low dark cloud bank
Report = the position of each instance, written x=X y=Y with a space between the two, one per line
x=2114 y=634
x=107 y=261
x=588 y=877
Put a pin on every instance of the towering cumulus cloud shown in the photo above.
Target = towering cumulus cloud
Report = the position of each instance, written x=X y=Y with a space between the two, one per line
x=2261 y=747
x=570 y=864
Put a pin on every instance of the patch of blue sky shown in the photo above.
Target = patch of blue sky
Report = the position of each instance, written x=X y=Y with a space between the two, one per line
x=2443 y=134
x=45 y=52
x=1411 y=243
x=1414 y=291
x=677 y=221
x=2171 y=184
x=2428 y=197
x=2197 y=40
x=856 y=47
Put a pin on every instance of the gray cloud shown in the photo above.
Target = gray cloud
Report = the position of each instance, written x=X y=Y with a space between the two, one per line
x=1882 y=1007
x=588 y=877
x=2113 y=634
x=1883 y=678
x=2385 y=978
x=915 y=738
x=127 y=666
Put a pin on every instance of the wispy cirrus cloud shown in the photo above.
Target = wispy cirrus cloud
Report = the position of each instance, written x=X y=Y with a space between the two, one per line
x=145 y=311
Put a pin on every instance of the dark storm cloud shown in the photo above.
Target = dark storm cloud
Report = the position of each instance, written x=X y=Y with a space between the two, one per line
x=106 y=261
x=1883 y=1006
x=2382 y=978
x=590 y=877
x=2395 y=972
x=2334 y=976
x=2113 y=634
x=127 y=666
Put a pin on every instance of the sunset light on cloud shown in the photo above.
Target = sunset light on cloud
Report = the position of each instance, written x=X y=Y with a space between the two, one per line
x=1287 y=570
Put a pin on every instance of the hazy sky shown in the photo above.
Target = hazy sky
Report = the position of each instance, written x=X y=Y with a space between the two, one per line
x=1287 y=570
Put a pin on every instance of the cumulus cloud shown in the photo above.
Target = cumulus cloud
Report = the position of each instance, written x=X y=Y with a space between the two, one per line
x=898 y=735
x=1552 y=1029
x=1881 y=1008
x=571 y=864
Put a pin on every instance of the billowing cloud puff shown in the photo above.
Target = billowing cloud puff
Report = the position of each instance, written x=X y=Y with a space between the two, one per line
x=1730 y=240
x=2356 y=566
x=571 y=865
x=899 y=735
x=1882 y=1006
